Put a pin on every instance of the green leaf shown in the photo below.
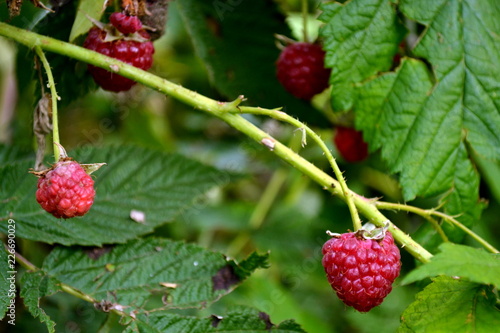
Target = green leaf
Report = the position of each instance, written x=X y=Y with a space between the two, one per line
x=460 y=261
x=449 y=305
x=425 y=126
x=36 y=285
x=490 y=173
x=461 y=43
x=10 y=154
x=360 y=38
x=250 y=264
x=235 y=40
x=463 y=200
x=7 y=280
x=415 y=125
x=162 y=186
x=245 y=320
x=180 y=275
x=82 y=24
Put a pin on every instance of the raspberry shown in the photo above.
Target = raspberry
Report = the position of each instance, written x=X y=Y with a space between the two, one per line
x=66 y=190
x=301 y=70
x=350 y=144
x=361 y=271
x=125 y=24
x=134 y=52
x=396 y=60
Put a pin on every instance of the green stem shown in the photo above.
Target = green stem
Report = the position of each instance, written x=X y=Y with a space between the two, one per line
x=64 y=287
x=220 y=110
x=268 y=197
x=428 y=213
x=279 y=115
x=263 y=206
x=259 y=213
x=296 y=188
x=55 y=98
x=425 y=214
x=22 y=260
x=69 y=290
x=272 y=190
x=305 y=14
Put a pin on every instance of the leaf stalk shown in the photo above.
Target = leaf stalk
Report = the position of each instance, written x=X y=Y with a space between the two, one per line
x=428 y=213
x=54 y=98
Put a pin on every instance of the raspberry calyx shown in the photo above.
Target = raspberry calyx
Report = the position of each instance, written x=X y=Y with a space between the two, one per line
x=361 y=268
x=301 y=70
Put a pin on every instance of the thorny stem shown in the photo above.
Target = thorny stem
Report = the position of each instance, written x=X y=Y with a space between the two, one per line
x=224 y=111
x=55 y=98
x=279 y=115
x=428 y=213
x=425 y=214
x=304 y=18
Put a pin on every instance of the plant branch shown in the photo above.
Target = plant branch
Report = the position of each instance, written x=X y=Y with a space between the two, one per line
x=22 y=260
x=64 y=287
x=55 y=98
x=279 y=115
x=305 y=14
x=220 y=110
x=428 y=213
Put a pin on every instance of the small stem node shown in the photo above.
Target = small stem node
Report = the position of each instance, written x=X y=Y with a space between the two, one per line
x=55 y=98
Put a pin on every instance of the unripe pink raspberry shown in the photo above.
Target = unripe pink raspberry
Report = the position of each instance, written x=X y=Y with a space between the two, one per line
x=361 y=271
x=65 y=190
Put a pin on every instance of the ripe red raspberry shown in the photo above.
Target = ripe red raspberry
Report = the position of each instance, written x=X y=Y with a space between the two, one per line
x=350 y=144
x=125 y=24
x=361 y=271
x=66 y=190
x=138 y=53
x=301 y=70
